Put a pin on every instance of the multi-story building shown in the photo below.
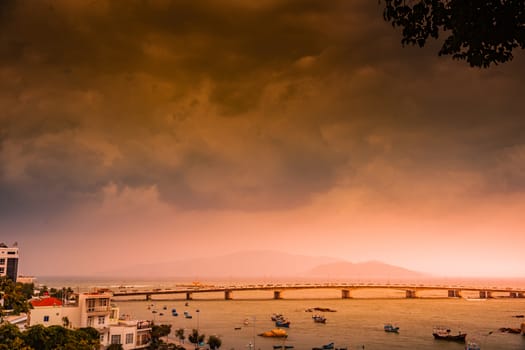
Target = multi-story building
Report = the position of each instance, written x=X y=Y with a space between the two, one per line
x=8 y=261
x=91 y=310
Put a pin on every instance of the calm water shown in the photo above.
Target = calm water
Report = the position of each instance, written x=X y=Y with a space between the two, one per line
x=357 y=322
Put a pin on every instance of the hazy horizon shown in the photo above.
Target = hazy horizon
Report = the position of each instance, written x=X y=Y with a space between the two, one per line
x=149 y=131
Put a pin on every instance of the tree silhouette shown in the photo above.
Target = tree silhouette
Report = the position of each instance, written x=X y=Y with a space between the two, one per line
x=480 y=32
x=214 y=342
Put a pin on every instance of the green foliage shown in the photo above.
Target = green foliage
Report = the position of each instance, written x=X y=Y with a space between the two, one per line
x=13 y=295
x=179 y=333
x=214 y=342
x=195 y=337
x=157 y=332
x=39 y=337
x=480 y=32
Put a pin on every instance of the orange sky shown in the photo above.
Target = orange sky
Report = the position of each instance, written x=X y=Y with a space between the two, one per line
x=151 y=131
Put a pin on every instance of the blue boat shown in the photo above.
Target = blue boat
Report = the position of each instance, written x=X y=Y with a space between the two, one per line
x=174 y=312
x=282 y=323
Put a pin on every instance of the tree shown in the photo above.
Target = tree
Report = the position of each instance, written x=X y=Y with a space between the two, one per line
x=214 y=342
x=115 y=347
x=480 y=32
x=195 y=337
x=179 y=333
x=157 y=332
x=13 y=296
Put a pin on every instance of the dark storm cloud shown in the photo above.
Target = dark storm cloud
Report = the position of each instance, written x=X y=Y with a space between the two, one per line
x=235 y=105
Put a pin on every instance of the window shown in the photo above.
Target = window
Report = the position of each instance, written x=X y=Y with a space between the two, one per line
x=2 y=261
x=90 y=305
x=46 y=318
x=129 y=338
x=102 y=338
x=101 y=319
x=2 y=270
x=103 y=302
x=115 y=339
x=90 y=321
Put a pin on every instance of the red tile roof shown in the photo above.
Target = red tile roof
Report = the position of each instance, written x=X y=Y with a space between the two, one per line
x=46 y=302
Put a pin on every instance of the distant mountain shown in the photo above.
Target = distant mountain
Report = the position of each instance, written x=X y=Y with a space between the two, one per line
x=243 y=264
x=364 y=270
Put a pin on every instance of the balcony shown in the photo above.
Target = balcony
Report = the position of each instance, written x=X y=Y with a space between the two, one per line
x=98 y=309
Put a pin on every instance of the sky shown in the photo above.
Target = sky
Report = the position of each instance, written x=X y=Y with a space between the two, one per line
x=151 y=131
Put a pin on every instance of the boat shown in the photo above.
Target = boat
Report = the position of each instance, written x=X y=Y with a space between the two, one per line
x=443 y=333
x=274 y=333
x=319 y=319
x=187 y=314
x=276 y=317
x=282 y=323
x=282 y=347
x=472 y=346
x=246 y=322
x=389 y=327
x=329 y=346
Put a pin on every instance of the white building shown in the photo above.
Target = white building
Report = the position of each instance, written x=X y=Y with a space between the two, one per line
x=8 y=261
x=92 y=310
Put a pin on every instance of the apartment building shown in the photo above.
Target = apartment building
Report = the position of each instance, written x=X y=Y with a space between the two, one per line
x=9 y=261
x=95 y=310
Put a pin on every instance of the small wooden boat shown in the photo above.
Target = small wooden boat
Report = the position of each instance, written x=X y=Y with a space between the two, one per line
x=274 y=333
x=442 y=333
x=282 y=323
x=319 y=319
x=472 y=346
x=388 y=327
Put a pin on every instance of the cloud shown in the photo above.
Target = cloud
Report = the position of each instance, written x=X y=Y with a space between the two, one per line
x=236 y=106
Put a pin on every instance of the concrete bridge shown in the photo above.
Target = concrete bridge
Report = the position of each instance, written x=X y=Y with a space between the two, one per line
x=277 y=290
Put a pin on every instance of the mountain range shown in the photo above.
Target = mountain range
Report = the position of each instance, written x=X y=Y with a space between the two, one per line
x=265 y=264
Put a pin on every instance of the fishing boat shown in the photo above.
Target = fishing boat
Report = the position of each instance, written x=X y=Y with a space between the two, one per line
x=389 y=327
x=472 y=346
x=276 y=317
x=329 y=346
x=443 y=333
x=282 y=323
x=319 y=319
x=274 y=333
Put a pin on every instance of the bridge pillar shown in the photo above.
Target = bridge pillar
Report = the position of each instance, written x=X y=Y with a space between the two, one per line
x=454 y=293
x=148 y=297
x=485 y=294
x=227 y=295
x=189 y=296
x=345 y=294
x=277 y=294
x=513 y=295
x=410 y=294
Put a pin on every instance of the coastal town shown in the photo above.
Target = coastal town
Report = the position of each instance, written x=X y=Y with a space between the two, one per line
x=73 y=311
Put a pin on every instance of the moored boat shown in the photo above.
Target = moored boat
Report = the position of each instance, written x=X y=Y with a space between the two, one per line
x=443 y=333
x=388 y=327
x=472 y=346
x=282 y=323
x=274 y=333
x=319 y=319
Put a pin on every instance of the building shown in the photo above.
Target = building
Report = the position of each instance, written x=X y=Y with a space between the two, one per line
x=9 y=261
x=92 y=309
